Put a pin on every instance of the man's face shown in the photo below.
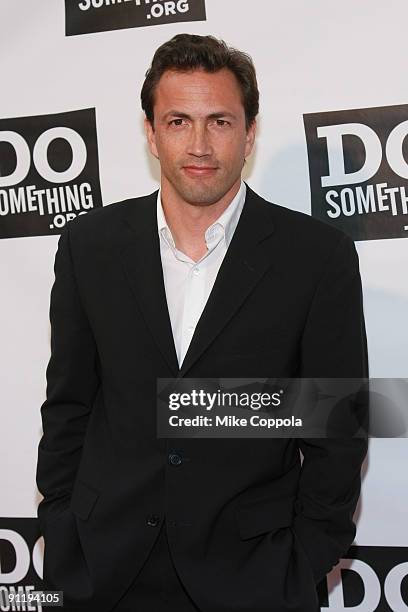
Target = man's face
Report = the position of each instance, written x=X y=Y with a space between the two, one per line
x=199 y=134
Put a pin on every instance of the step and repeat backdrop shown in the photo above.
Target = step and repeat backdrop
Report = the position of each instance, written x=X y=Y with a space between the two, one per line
x=332 y=142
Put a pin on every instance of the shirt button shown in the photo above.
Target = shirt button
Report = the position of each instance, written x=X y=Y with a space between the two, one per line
x=152 y=520
x=196 y=271
x=175 y=459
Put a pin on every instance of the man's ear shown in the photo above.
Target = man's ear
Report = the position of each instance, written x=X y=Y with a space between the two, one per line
x=151 y=137
x=250 y=138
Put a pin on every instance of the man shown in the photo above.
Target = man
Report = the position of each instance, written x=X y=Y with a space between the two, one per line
x=202 y=279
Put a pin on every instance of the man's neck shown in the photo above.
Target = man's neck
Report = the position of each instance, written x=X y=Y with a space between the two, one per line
x=189 y=222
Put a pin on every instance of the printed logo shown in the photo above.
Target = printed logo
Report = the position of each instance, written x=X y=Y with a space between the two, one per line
x=87 y=16
x=21 y=564
x=370 y=579
x=49 y=172
x=358 y=165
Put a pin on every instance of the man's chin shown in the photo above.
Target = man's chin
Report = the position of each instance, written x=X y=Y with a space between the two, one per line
x=203 y=195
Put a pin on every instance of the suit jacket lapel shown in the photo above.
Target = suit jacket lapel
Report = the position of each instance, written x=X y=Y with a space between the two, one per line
x=246 y=261
x=142 y=263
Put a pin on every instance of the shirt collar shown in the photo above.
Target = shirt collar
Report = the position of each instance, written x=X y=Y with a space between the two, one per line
x=226 y=222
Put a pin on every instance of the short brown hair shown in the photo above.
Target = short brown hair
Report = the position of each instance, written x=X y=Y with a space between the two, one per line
x=186 y=52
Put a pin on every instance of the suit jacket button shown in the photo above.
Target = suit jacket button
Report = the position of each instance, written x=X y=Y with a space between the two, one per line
x=175 y=459
x=152 y=520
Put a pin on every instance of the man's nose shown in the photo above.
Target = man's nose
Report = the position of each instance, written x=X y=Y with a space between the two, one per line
x=199 y=143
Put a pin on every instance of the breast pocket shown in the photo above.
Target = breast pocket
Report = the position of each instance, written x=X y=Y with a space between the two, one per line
x=248 y=365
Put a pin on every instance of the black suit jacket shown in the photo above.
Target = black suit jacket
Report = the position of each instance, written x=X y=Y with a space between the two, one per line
x=249 y=527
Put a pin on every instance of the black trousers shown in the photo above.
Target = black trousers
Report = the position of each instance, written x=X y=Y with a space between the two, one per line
x=157 y=587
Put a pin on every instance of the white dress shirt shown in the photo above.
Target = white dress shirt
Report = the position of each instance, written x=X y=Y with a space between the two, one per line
x=188 y=284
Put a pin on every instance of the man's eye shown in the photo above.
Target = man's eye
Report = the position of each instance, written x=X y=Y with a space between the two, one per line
x=176 y=122
x=222 y=122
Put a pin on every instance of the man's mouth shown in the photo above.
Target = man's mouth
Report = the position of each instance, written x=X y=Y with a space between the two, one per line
x=198 y=171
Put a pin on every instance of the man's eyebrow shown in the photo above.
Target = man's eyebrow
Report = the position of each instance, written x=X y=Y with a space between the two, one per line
x=221 y=115
x=175 y=113
x=181 y=115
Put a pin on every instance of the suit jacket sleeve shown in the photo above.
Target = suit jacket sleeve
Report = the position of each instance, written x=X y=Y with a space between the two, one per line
x=72 y=382
x=334 y=346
